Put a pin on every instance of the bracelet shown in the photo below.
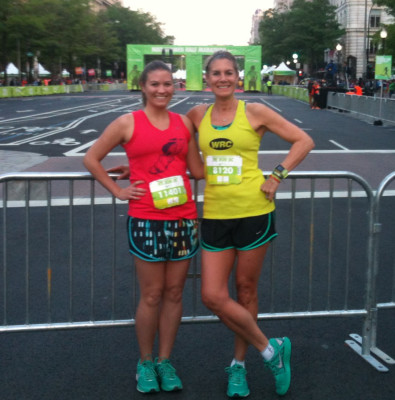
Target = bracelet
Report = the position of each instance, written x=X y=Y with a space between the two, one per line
x=277 y=175
x=280 y=172
x=275 y=178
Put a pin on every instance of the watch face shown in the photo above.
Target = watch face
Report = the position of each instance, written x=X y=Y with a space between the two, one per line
x=280 y=168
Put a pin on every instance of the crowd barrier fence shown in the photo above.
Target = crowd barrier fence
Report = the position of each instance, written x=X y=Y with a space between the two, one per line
x=372 y=108
x=65 y=265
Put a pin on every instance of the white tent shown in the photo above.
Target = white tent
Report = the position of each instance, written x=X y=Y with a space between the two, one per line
x=42 y=71
x=282 y=69
x=180 y=74
x=65 y=73
x=12 y=70
x=284 y=74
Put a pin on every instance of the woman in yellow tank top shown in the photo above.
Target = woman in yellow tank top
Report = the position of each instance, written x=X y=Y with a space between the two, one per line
x=238 y=215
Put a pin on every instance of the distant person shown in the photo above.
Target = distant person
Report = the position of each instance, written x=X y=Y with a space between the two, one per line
x=310 y=91
x=391 y=89
x=315 y=92
x=269 y=87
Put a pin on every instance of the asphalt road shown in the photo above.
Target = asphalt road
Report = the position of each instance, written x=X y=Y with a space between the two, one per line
x=52 y=134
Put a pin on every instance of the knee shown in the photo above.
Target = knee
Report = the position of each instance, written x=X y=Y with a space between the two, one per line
x=174 y=294
x=213 y=300
x=246 y=293
x=152 y=297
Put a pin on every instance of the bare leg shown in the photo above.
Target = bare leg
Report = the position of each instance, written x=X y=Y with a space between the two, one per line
x=151 y=276
x=171 y=307
x=216 y=268
x=248 y=269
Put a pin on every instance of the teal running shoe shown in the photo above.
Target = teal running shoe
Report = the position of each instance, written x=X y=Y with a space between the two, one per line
x=237 y=381
x=147 y=379
x=280 y=364
x=169 y=381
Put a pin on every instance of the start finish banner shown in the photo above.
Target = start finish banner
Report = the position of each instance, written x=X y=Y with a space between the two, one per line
x=193 y=56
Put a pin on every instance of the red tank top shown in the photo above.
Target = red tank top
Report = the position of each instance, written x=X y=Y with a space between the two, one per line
x=159 y=159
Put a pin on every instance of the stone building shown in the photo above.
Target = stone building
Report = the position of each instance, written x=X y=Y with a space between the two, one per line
x=256 y=19
x=361 y=19
x=102 y=4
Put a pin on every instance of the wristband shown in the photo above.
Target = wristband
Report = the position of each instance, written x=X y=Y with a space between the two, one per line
x=280 y=172
x=275 y=178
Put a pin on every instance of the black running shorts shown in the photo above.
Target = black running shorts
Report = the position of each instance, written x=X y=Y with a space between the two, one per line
x=239 y=233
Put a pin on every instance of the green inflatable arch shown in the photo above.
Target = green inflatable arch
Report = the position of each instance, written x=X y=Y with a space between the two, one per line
x=194 y=62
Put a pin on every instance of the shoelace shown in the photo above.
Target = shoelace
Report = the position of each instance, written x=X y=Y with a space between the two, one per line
x=276 y=365
x=148 y=370
x=166 y=369
x=236 y=373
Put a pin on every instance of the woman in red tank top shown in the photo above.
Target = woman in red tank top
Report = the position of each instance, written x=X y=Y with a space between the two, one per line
x=162 y=222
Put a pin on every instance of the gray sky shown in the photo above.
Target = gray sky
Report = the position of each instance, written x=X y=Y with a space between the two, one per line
x=203 y=22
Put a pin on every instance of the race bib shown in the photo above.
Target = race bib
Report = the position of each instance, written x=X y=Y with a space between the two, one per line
x=224 y=170
x=168 y=192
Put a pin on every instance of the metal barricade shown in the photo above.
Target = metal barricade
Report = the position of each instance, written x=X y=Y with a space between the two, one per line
x=371 y=108
x=382 y=289
x=65 y=263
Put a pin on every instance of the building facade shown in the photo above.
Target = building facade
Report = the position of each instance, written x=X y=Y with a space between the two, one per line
x=256 y=19
x=361 y=19
x=102 y=4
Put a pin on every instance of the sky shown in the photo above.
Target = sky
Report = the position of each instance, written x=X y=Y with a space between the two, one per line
x=203 y=22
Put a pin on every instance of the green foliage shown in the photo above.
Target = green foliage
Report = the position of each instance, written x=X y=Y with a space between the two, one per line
x=390 y=40
x=388 y=4
x=307 y=28
x=67 y=33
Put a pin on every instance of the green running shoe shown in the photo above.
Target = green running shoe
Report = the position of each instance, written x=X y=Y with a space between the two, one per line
x=280 y=364
x=147 y=379
x=237 y=382
x=169 y=381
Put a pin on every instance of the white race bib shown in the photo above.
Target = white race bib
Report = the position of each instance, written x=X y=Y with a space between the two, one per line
x=168 y=192
x=224 y=170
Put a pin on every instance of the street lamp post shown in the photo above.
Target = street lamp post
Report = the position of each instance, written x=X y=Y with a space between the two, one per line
x=383 y=35
x=338 y=54
x=30 y=66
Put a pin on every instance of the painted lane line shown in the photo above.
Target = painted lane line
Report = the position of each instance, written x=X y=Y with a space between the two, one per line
x=270 y=105
x=339 y=145
x=332 y=152
x=298 y=121
x=72 y=125
x=64 y=111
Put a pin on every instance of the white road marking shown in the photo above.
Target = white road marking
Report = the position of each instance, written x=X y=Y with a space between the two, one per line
x=339 y=145
x=270 y=105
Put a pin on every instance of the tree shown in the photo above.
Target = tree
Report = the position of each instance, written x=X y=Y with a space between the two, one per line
x=8 y=35
x=390 y=40
x=130 y=27
x=307 y=28
x=67 y=33
x=388 y=4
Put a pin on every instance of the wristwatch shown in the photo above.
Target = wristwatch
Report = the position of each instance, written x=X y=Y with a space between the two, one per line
x=280 y=172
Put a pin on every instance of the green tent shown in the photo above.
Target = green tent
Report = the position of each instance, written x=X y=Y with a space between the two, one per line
x=284 y=74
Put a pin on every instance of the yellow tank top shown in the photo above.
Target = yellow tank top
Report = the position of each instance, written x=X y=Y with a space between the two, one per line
x=233 y=179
